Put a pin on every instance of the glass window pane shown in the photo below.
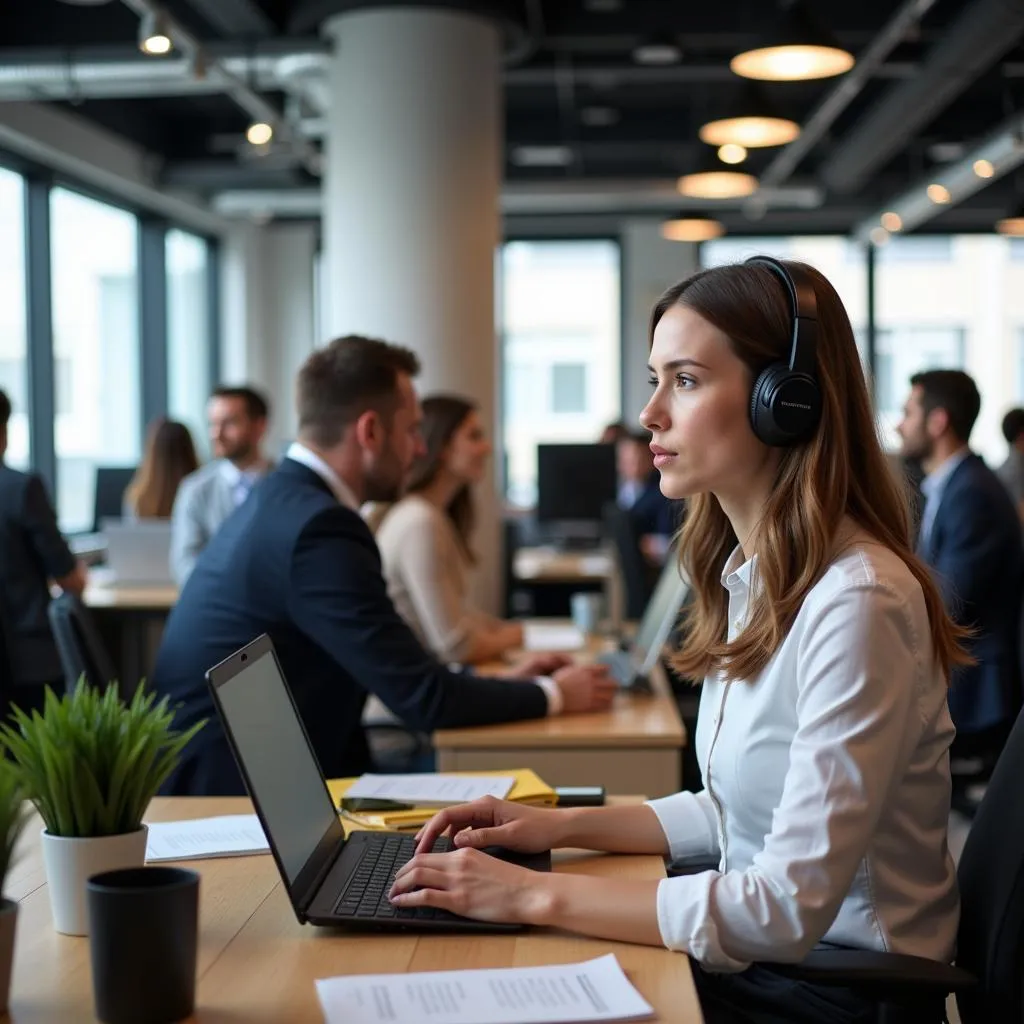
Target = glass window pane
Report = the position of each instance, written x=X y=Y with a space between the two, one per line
x=560 y=321
x=188 y=341
x=13 y=354
x=96 y=347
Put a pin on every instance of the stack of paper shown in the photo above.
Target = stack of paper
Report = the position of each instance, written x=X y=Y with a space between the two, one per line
x=593 y=991
x=231 y=835
x=526 y=788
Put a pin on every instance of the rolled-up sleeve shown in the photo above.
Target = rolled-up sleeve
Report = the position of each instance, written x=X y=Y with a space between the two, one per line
x=857 y=719
x=689 y=823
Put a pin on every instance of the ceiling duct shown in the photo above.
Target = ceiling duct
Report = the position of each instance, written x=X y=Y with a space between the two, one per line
x=985 y=31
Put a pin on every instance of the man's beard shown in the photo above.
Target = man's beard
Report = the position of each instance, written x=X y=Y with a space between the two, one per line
x=384 y=483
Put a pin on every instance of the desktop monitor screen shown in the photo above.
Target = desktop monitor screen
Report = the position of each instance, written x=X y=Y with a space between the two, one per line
x=575 y=481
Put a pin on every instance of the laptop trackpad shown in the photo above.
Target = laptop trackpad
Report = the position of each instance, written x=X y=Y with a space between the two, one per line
x=533 y=861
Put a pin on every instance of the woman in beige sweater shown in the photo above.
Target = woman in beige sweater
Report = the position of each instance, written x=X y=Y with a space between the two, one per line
x=424 y=539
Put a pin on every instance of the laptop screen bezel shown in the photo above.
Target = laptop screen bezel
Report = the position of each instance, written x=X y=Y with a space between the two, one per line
x=309 y=877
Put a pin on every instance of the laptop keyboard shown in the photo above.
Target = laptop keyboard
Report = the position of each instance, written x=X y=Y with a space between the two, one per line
x=366 y=894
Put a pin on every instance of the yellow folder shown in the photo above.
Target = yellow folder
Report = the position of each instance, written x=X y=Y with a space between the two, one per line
x=529 y=789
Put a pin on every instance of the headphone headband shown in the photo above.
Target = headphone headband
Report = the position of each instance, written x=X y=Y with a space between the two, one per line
x=803 y=308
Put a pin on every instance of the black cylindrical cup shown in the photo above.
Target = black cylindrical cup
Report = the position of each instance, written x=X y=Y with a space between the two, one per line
x=143 y=934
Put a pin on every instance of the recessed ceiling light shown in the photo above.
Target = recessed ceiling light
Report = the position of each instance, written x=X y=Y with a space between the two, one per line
x=692 y=229
x=938 y=193
x=732 y=153
x=891 y=221
x=878 y=235
x=154 y=37
x=259 y=133
x=657 y=52
x=984 y=168
x=1012 y=224
x=717 y=185
x=541 y=156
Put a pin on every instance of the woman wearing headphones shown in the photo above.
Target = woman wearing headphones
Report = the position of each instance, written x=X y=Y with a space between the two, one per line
x=823 y=733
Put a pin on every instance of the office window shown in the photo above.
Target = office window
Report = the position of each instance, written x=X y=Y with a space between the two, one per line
x=904 y=351
x=843 y=263
x=13 y=352
x=95 y=335
x=568 y=387
x=560 y=323
x=188 y=341
x=919 y=249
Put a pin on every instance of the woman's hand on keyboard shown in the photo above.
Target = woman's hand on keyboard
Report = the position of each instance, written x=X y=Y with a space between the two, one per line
x=491 y=822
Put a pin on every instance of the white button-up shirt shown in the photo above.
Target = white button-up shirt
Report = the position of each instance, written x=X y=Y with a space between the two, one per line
x=827 y=783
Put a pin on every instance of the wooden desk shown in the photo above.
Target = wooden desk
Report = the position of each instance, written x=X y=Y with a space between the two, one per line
x=257 y=963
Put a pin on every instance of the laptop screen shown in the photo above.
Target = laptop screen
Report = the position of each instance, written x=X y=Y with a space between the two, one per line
x=659 y=616
x=281 y=770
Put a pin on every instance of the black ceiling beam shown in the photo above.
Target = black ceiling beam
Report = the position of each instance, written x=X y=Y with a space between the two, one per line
x=235 y=18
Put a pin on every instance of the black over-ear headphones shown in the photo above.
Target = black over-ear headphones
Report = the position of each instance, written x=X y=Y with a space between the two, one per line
x=785 y=404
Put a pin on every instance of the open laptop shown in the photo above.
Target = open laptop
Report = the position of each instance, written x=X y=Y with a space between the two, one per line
x=138 y=552
x=632 y=667
x=330 y=880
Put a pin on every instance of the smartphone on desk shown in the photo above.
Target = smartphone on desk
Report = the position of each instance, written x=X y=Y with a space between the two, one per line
x=364 y=804
x=580 y=796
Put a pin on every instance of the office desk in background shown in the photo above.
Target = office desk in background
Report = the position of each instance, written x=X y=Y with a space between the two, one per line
x=635 y=747
x=130 y=619
x=258 y=964
x=550 y=576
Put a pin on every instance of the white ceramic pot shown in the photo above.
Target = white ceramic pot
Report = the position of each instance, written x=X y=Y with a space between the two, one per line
x=71 y=862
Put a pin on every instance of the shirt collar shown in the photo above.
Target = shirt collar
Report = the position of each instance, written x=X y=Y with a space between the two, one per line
x=300 y=453
x=937 y=479
x=738 y=573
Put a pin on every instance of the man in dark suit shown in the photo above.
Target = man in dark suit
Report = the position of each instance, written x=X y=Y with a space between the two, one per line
x=296 y=561
x=652 y=514
x=32 y=553
x=970 y=536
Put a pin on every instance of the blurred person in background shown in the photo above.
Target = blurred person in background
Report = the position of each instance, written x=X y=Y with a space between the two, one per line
x=170 y=457
x=1011 y=472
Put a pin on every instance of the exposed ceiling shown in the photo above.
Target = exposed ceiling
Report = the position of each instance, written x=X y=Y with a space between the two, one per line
x=934 y=79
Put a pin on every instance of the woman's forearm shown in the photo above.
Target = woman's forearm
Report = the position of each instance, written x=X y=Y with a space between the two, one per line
x=630 y=829
x=603 y=907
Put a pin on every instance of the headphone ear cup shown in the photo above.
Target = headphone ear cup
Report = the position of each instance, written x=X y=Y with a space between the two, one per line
x=762 y=421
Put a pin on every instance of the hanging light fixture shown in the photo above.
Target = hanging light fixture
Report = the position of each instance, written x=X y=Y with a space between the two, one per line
x=1013 y=223
x=692 y=229
x=711 y=179
x=154 y=36
x=750 y=121
x=795 y=49
x=891 y=221
x=938 y=194
x=732 y=153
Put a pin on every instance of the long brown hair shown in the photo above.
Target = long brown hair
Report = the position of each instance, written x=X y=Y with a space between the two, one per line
x=442 y=417
x=170 y=457
x=840 y=471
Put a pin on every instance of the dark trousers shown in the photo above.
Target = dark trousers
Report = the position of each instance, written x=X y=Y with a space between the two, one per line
x=760 y=996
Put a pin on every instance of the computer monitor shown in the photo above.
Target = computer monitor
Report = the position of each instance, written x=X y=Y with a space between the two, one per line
x=574 y=483
x=111 y=483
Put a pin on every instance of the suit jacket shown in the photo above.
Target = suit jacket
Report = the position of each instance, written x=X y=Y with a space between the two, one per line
x=652 y=512
x=205 y=499
x=974 y=549
x=32 y=552
x=293 y=563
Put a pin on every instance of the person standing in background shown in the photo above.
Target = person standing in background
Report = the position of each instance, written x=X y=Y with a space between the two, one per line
x=170 y=457
x=970 y=538
x=32 y=553
x=238 y=423
x=1011 y=472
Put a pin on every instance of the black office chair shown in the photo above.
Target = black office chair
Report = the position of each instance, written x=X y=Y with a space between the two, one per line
x=111 y=483
x=637 y=577
x=988 y=978
x=79 y=645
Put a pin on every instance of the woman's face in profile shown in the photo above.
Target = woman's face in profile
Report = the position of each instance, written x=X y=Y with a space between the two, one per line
x=468 y=451
x=699 y=413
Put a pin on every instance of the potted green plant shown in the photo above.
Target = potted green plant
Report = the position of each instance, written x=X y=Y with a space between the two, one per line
x=13 y=815
x=91 y=763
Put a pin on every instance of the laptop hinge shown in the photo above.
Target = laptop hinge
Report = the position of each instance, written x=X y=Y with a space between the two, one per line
x=314 y=887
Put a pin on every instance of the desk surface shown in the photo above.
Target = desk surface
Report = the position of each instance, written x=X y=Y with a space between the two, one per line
x=131 y=597
x=257 y=963
x=552 y=565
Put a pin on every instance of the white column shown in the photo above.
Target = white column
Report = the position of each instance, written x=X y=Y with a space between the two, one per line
x=411 y=192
